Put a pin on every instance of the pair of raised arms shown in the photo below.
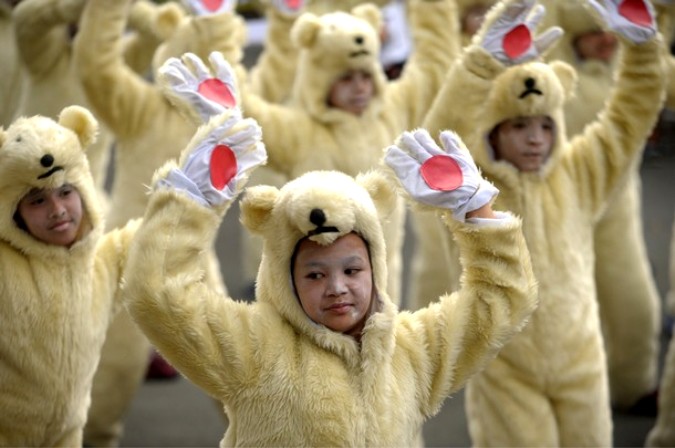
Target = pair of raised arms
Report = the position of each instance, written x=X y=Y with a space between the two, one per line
x=217 y=163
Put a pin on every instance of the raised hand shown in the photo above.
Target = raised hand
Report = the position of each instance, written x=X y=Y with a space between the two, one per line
x=446 y=178
x=208 y=7
x=199 y=92
x=218 y=160
x=632 y=19
x=509 y=37
x=290 y=8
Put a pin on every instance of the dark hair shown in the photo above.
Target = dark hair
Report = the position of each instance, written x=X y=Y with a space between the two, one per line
x=20 y=223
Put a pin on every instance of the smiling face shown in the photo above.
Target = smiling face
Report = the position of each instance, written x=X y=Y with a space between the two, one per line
x=53 y=216
x=335 y=283
x=352 y=92
x=525 y=142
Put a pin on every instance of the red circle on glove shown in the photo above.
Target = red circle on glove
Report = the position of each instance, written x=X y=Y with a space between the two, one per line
x=635 y=11
x=517 y=41
x=442 y=173
x=216 y=90
x=293 y=4
x=212 y=5
x=223 y=166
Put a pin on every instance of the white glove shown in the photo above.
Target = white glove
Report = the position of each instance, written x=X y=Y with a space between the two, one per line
x=218 y=160
x=446 y=178
x=632 y=19
x=209 y=7
x=509 y=38
x=189 y=84
x=290 y=8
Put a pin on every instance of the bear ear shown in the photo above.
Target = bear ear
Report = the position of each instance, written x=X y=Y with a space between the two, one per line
x=380 y=189
x=168 y=18
x=256 y=206
x=305 y=29
x=370 y=13
x=81 y=122
x=567 y=76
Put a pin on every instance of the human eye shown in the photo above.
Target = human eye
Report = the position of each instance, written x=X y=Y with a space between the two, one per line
x=65 y=190
x=314 y=276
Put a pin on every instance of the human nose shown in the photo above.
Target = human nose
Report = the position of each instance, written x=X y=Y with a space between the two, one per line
x=535 y=135
x=57 y=208
x=336 y=286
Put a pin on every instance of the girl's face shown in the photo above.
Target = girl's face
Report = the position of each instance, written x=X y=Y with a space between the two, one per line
x=525 y=142
x=335 y=283
x=53 y=215
x=596 y=45
x=352 y=92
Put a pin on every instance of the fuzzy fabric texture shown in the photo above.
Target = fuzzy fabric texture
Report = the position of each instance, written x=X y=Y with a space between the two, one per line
x=306 y=134
x=43 y=30
x=557 y=366
x=628 y=298
x=287 y=381
x=663 y=432
x=148 y=131
x=56 y=302
x=11 y=71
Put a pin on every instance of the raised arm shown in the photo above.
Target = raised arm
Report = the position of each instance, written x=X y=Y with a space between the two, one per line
x=42 y=29
x=198 y=330
x=114 y=91
x=463 y=331
x=601 y=155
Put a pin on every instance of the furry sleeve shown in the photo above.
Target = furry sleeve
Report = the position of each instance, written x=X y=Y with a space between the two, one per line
x=111 y=257
x=274 y=71
x=600 y=157
x=199 y=331
x=435 y=32
x=142 y=42
x=41 y=28
x=463 y=331
x=118 y=96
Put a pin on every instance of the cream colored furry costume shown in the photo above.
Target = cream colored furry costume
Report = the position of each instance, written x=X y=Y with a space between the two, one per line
x=44 y=31
x=55 y=302
x=433 y=254
x=548 y=386
x=663 y=432
x=11 y=70
x=307 y=134
x=629 y=302
x=285 y=380
x=148 y=131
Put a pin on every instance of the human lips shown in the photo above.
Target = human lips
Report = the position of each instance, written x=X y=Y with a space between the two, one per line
x=340 y=308
x=60 y=226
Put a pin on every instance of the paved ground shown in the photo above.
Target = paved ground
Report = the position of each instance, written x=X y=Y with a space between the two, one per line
x=175 y=413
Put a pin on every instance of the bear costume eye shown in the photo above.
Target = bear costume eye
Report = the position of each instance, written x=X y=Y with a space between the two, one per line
x=17 y=139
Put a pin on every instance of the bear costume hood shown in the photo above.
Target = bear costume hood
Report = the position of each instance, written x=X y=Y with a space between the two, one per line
x=527 y=90
x=331 y=45
x=321 y=206
x=38 y=152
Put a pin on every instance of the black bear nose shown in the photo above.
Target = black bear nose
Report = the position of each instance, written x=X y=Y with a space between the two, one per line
x=529 y=83
x=47 y=160
x=358 y=40
x=317 y=217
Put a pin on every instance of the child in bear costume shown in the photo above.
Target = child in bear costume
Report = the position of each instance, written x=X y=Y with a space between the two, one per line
x=309 y=133
x=322 y=357
x=148 y=131
x=55 y=299
x=549 y=386
x=628 y=299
